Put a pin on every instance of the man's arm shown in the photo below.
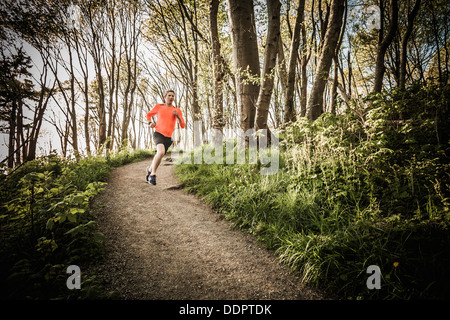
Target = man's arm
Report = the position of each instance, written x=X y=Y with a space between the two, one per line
x=152 y=113
x=179 y=116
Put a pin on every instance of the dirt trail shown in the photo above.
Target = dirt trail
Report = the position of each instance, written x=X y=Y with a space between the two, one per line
x=163 y=243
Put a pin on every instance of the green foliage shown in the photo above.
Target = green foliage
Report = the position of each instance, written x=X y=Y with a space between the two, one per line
x=353 y=191
x=46 y=225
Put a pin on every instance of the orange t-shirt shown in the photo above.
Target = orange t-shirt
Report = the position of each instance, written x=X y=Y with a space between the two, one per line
x=166 y=119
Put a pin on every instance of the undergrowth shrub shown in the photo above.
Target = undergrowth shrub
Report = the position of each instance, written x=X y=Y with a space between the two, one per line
x=46 y=224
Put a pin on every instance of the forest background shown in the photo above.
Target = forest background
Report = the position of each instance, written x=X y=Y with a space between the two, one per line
x=356 y=90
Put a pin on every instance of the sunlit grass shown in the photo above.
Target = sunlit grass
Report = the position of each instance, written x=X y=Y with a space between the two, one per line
x=348 y=195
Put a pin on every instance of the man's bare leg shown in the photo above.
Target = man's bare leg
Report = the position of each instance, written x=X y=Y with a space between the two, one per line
x=160 y=152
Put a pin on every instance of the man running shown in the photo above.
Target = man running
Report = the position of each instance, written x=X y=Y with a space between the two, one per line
x=167 y=115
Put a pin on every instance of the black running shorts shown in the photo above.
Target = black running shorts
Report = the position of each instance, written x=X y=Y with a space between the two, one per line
x=159 y=138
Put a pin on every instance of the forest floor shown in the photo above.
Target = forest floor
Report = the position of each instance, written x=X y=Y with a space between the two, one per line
x=165 y=244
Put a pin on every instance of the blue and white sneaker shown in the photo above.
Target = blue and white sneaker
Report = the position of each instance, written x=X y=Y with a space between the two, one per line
x=152 y=180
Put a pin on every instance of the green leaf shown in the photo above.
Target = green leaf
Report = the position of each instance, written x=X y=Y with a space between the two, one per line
x=91 y=224
x=39 y=190
x=76 y=230
x=79 y=199
x=76 y=210
x=72 y=218
x=50 y=224
x=34 y=176
x=403 y=195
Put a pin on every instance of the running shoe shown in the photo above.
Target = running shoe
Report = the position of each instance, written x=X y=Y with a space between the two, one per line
x=152 y=180
x=148 y=174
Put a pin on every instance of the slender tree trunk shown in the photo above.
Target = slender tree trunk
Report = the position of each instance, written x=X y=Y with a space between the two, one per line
x=12 y=133
x=289 y=111
x=45 y=95
x=315 y=102
x=84 y=66
x=282 y=77
x=101 y=108
x=270 y=59
x=218 y=73
x=350 y=71
x=112 y=73
x=20 y=140
x=72 y=108
x=303 y=69
x=127 y=47
x=336 y=65
x=87 y=138
x=334 y=87
x=403 y=54
x=96 y=49
x=246 y=59
x=194 y=84
x=383 y=44
x=436 y=39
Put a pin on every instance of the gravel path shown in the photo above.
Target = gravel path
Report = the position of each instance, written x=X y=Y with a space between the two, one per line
x=163 y=243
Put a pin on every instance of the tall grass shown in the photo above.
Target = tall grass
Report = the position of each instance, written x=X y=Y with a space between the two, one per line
x=353 y=191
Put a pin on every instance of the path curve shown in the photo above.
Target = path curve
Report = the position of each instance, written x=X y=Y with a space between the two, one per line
x=165 y=244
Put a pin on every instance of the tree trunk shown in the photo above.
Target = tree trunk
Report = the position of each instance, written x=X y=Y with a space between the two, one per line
x=45 y=95
x=403 y=56
x=20 y=140
x=96 y=49
x=270 y=59
x=111 y=74
x=303 y=68
x=315 y=102
x=87 y=137
x=84 y=67
x=436 y=39
x=217 y=118
x=12 y=133
x=334 y=88
x=71 y=103
x=101 y=108
x=350 y=71
x=246 y=59
x=336 y=66
x=289 y=111
x=130 y=41
x=383 y=44
x=281 y=60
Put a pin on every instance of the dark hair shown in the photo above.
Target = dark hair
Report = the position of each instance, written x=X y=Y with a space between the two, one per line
x=167 y=91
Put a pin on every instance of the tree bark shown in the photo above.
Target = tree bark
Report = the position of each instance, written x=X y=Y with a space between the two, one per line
x=403 y=54
x=282 y=72
x=81 y=45
x=44 y=97
x=130 y=36
x=315 y=102
x=383 y=44
x=336 y=66
x=270 y=59
x=217 y=118
x=12 y=133
x=303 y=68
x=96 y=49
x=289 y=111
x=111 y=71
x=246 y=59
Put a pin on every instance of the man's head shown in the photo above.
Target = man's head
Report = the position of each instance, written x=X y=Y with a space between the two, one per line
x=169 y=96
